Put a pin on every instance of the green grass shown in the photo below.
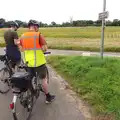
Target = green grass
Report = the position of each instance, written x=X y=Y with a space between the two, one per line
x=75 y=32
x=77 y=38
x=72 y=32
x=97 y=81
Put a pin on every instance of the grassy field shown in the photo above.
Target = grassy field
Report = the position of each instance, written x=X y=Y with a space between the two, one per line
x=78 y=38
x=96 y=81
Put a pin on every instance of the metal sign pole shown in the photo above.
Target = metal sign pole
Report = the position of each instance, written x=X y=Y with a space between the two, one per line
x=103 y=28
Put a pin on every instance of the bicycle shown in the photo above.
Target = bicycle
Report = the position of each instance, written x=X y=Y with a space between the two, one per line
x=6 y=72
x=22 y=84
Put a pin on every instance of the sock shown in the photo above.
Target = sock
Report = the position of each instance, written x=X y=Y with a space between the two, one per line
x=47 y=95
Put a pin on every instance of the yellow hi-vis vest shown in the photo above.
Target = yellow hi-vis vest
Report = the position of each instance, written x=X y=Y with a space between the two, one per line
x=33 y=55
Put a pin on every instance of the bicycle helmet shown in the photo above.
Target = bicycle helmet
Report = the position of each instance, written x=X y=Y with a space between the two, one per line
x=13 y=24
x=33 y=22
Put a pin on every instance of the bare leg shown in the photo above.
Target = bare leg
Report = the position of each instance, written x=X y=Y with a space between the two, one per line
x=45 y=86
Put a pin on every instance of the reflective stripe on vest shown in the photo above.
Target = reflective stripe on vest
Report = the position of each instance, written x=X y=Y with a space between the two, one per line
x=32 y=49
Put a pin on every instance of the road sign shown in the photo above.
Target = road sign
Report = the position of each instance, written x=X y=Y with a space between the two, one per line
x=103 y=15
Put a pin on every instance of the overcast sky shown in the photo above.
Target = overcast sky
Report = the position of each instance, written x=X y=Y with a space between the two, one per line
x=57 y=10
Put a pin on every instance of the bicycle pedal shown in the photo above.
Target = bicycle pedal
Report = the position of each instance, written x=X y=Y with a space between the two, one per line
x=41 y=90
x=29 y=108
x=24 y=103
x=37 y=94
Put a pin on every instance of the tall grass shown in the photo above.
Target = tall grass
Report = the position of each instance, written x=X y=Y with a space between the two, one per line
x=75 y=32
x=77 y=38
x=96 y=81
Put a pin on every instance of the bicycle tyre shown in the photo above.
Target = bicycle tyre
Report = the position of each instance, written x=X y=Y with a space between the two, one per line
x=29 y=105
x=4 y=81
x=21 y=106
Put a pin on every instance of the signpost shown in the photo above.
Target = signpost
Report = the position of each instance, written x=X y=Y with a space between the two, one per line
x=102 y=17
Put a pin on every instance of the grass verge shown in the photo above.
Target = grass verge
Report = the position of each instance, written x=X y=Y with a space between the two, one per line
x=96 y=81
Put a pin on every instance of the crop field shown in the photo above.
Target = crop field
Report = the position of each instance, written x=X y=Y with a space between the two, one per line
x=77 y=38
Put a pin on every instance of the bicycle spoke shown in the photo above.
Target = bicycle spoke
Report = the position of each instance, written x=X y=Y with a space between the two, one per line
x=29 y=105
x=18 y=111
x=4 y=82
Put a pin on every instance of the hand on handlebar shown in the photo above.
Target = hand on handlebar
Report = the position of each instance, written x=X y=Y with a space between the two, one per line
x=44 y=48
x=47 y=53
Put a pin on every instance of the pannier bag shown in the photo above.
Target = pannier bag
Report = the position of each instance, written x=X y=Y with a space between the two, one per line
x=21 y=80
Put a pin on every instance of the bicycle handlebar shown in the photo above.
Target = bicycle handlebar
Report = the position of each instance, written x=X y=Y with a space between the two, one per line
x=47 y=53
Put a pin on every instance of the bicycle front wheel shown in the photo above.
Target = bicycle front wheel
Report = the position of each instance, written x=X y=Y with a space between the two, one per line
x=4 y=81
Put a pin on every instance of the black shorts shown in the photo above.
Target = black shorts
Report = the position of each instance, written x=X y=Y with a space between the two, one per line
x=41 y=71
x=13 y=53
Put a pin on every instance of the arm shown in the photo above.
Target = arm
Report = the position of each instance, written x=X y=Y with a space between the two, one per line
x=43 y=43
x=16 y=40
x=20 y=45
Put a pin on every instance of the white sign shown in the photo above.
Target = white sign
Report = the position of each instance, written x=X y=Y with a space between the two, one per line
x=103 y=15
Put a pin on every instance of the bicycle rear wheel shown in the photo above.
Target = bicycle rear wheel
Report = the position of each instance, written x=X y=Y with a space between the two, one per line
x=23 y=106
x=4 y=81
x=27 y=103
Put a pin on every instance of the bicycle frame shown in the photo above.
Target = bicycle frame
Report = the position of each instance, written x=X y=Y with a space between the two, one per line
x=13 y=106
x=27 y=106
x=16 y=94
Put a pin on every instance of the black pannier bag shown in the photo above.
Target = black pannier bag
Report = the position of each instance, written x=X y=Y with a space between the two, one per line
x=21 y=80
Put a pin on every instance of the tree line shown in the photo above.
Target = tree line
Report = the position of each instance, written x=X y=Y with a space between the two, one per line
x=77 y=23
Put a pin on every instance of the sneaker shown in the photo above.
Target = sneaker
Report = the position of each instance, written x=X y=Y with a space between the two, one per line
x=50 y=98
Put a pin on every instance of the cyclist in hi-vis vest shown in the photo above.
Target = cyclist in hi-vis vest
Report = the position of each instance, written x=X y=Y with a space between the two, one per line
x=34 y=45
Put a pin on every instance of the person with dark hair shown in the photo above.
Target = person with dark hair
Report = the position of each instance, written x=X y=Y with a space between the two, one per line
x=11 y=38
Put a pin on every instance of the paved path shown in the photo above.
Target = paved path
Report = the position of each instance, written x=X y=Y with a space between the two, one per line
x=83 y=53
x=73 y=52
x=66 y=106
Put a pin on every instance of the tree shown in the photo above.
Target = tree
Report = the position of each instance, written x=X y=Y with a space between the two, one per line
x=108 y=23
x=66 y=24
x=53 y=23
x=2 y=22
x=71 y=21
x=7 y=24
x=89 y=22
x=41 y=24
x=24 y=24
x=115 y=22
x=75 y=23
x=19 y=22
x=98 y=23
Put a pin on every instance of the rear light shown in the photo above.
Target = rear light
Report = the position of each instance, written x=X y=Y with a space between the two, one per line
x=12 y=106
